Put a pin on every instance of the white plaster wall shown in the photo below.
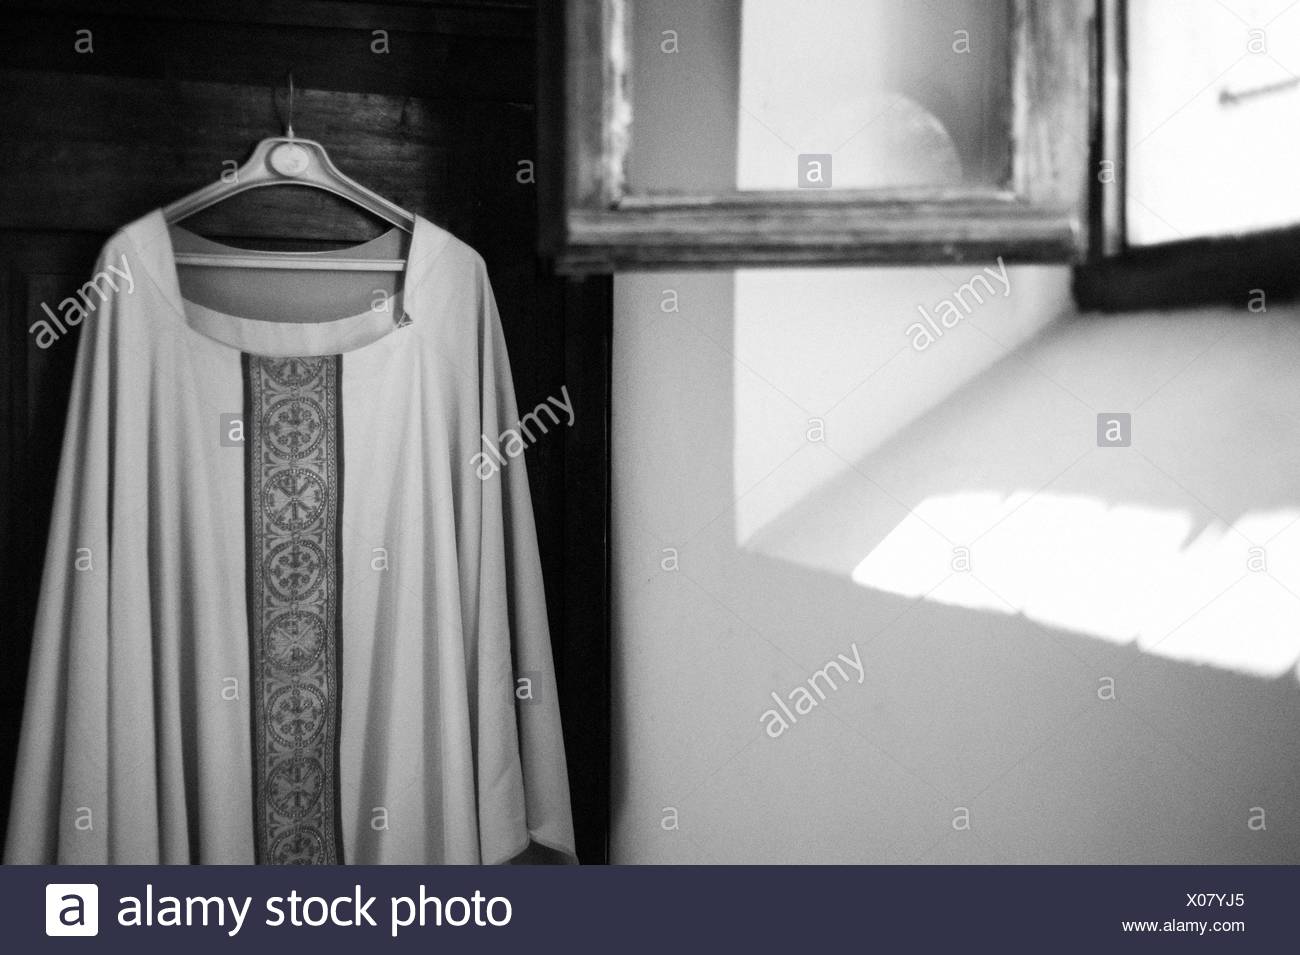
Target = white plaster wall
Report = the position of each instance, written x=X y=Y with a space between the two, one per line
x=1113 y=679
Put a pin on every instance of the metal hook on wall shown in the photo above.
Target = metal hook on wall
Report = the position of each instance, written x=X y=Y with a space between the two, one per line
x=288 y=127
x=289 y=159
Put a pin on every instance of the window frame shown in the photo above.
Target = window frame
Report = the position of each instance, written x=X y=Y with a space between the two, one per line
x=1118 y=277
x=593 y=224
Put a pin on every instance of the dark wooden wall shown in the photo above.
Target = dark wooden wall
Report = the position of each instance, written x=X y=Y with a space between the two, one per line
x=440 y=123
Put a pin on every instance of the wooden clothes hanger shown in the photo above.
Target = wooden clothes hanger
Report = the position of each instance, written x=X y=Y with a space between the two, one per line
x=289 y=161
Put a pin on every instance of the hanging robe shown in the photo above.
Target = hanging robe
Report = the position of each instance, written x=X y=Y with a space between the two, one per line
x=286 y=614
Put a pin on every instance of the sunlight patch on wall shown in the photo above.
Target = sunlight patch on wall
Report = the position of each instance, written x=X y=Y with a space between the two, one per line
x=1210 y=593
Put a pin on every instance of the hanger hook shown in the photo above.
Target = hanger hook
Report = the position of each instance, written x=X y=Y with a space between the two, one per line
x=288 y=129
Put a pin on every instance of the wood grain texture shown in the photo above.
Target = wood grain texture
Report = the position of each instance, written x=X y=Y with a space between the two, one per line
x=335 y=49
x=716 y=233
x=91 y=152
x=1052 y=78
x=443 y=17
x=595 y=53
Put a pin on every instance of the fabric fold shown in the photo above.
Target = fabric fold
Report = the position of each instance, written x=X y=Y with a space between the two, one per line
x=142 y=710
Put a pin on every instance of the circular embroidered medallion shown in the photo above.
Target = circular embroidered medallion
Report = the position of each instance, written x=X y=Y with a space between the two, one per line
x=293 y=372
x=294 y=569
x=299 y=846
x=294 y=640
x=295 y=786
x=295 y=714
x=293 y=426
x=293 y=498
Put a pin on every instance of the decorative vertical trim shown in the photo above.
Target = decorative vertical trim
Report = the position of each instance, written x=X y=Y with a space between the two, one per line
x=338 y=600
x=294 y=484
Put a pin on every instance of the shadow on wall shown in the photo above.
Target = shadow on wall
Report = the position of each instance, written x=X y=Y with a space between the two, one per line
x=1048 y=651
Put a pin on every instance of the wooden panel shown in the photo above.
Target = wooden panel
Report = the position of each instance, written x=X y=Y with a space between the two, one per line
x=446 y=17
x=584 y=658
x=443 y=17
x=551 y=129
x=441 y=125
x=150 y=42
x=92 y=152
x=37 y=267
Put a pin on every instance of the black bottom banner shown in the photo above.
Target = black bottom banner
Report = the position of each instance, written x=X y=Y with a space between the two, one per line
x=667 y=908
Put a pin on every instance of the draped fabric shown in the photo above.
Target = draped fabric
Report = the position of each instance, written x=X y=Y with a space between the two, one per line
x=195 y=694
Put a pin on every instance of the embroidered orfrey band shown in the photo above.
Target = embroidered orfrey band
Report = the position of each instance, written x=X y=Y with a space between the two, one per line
x=294 y=483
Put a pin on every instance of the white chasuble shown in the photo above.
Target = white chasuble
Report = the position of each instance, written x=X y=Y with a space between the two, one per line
x=284 y=609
